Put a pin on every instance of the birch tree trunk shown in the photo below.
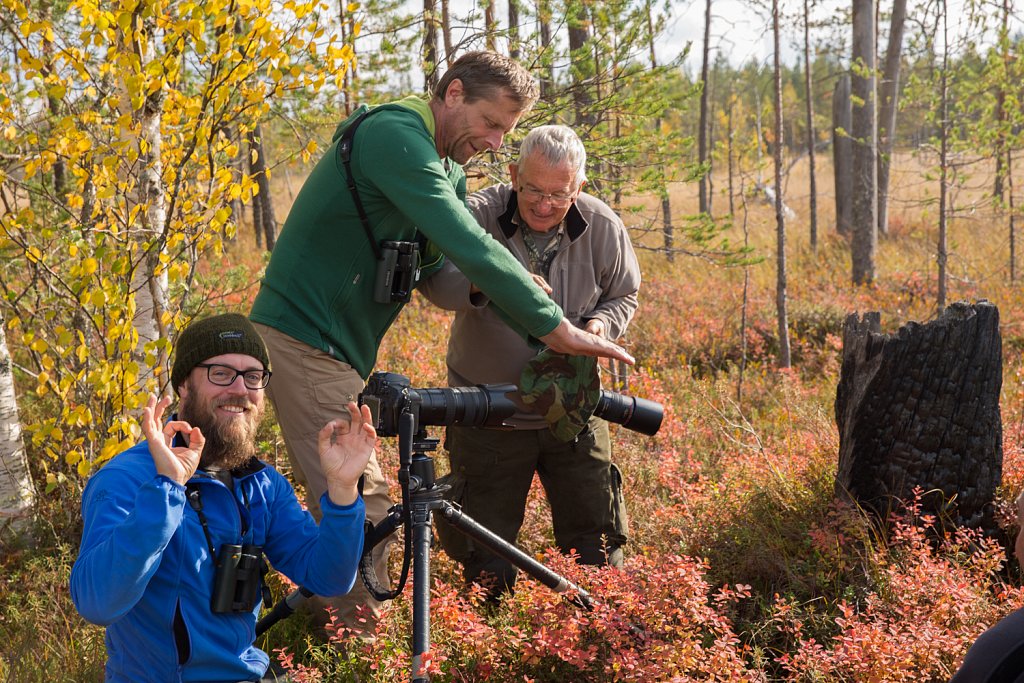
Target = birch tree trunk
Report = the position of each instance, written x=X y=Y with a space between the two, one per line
x=149 y=279
x=17 y=493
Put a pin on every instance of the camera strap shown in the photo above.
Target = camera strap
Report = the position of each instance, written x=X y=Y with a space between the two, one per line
x=345 y=152
x=196 y=502
x=192 y=492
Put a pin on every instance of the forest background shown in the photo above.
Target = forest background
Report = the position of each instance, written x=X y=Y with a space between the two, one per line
x=148 y=150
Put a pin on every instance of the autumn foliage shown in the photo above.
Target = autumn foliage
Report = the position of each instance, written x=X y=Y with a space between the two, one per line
x=741 y=566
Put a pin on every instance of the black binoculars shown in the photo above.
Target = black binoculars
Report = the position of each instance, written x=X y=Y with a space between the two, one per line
x=236 y=583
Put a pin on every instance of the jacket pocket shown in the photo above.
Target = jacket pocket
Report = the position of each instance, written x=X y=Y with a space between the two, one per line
x=182 y=642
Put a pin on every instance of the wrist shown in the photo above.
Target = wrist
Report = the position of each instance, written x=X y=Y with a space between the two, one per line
x=342 y=494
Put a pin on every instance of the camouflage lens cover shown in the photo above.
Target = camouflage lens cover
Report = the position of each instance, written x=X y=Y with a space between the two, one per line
x=563 y=389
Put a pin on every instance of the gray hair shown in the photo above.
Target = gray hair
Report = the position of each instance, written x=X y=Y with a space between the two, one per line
x=559 y=145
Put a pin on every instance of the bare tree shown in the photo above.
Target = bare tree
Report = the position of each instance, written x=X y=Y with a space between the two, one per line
x=1001 y=113
x=865 y=143
x=262 y=203
x=490 y=25
x=547 y=79
x=513 y=29
x=702 y=132
x=888 y=105
x=446 y=32
x=429 y=51
x=1012 y=212
x=781 y=304
x=809 y=87
x=942 y=253
x=345 y=32
x=666 y=201
x=842 y=154
x=581 y=67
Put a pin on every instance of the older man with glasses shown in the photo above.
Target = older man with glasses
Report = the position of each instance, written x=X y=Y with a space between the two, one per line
x=578 y=250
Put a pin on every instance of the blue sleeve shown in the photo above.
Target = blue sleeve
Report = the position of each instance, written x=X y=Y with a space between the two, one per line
x=126 y=529
x=324 y=558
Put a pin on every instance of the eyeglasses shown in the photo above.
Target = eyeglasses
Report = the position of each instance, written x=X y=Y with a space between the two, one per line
x=556 y=198
x=225 y=376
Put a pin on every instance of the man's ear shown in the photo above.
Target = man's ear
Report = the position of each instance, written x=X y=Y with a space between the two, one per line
x=455 y=93
x=513 y=174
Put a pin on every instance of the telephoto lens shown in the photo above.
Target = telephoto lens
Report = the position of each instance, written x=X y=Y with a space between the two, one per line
x=485 y=405
x=389 y=396
x=566 y=391
x=632 y=412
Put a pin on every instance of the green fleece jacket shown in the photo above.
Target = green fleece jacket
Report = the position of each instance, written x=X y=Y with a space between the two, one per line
x=318 y=287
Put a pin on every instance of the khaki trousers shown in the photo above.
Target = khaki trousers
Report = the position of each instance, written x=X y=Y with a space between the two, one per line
x=491 y=475
x=308 y=389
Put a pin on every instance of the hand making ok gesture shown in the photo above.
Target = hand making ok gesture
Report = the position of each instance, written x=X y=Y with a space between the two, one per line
x=174 y=462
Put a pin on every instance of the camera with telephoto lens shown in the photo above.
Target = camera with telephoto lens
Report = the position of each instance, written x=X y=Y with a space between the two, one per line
x=485 y=405
x=236 y=582
x=389 y=395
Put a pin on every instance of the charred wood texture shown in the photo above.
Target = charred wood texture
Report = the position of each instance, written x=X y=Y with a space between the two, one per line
x=921 y=409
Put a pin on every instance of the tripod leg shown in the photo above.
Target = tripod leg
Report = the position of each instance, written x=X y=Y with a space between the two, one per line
x=421 y=539
x=517 y=557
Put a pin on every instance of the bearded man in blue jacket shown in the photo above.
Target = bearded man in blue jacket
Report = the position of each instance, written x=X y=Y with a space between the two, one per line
x=176 y=528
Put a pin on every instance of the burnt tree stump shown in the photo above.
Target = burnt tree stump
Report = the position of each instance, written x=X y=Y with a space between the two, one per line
x=921 y=409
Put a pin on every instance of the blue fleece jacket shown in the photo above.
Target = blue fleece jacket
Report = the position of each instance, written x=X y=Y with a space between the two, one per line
x=145 y=571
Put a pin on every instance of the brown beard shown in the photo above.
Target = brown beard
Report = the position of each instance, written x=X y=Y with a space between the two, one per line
x=226 y=448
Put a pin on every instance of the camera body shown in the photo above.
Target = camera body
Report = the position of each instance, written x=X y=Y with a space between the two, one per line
x=398 y=271
x=389 y=396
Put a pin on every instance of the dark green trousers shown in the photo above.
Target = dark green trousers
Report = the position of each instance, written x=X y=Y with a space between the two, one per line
x=491 y=474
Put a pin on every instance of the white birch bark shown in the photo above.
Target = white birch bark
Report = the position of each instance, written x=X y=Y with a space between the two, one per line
x=17 y=493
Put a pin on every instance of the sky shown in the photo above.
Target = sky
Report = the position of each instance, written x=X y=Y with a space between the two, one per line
x=741 y=29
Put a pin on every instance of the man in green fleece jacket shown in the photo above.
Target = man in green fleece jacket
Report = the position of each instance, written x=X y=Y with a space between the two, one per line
x=317 y=308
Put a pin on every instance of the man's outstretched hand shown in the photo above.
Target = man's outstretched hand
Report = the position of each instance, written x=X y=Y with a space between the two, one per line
x=345 y=448
x=576 y=342
x=178 y=463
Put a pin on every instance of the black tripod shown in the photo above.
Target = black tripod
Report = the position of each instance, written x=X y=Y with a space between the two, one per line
x=421 y=497
x=424 y=497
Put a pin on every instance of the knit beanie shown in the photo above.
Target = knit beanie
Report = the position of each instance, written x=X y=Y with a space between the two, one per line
x=215 y=336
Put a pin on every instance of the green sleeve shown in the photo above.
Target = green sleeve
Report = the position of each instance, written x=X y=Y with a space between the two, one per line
x=400 y=160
